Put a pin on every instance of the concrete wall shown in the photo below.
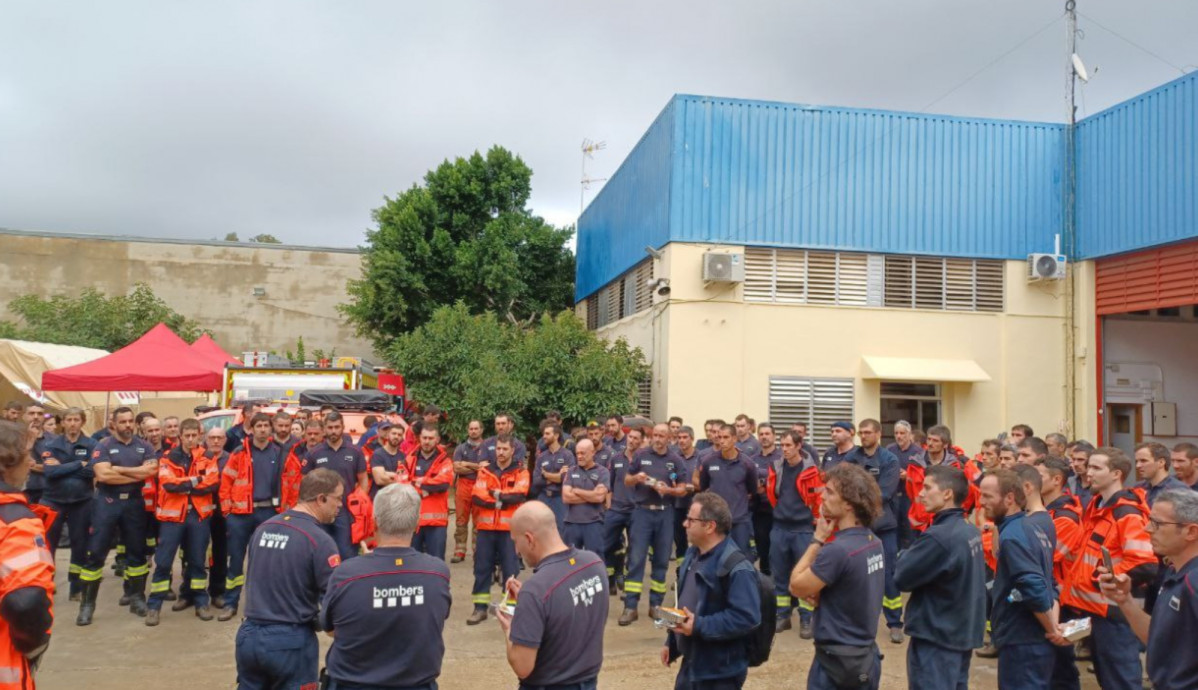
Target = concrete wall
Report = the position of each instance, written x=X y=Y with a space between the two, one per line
x=212 y=283
x=722 y=351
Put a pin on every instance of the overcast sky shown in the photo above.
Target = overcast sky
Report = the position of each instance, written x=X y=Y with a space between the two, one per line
x=191 y=120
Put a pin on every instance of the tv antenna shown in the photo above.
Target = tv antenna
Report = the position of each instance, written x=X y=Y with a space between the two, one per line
x=588 y=152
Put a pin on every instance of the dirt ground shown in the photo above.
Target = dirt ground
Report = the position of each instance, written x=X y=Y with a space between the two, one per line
x=117 y=652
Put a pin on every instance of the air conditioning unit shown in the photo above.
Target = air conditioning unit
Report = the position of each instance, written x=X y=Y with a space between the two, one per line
x=1045 y=267
x=723 y=267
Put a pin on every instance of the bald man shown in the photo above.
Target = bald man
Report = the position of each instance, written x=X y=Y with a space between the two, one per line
x=555 y=637
x=585 y=488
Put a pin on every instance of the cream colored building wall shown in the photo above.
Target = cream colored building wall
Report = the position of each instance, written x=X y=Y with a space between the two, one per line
x=721 y=351
x=212 y=283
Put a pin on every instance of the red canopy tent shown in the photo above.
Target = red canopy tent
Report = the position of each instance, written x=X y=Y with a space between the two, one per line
x=207 y=347
x=157 y=361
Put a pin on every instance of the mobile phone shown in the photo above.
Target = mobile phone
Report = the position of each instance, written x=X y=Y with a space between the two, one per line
x=1106 y=560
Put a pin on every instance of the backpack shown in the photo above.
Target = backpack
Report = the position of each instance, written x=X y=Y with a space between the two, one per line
x=759 y=642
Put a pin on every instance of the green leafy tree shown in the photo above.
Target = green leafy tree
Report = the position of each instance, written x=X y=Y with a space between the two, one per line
x=465 y=236
x=474 y=365
x=264 y=238
x=300 y=355
x=90 y=319
x=231 y=237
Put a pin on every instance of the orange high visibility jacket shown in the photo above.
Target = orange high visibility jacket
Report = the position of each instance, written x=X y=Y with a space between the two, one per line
x=1066 y=514
x=918 y=516
x=497 y=494
x=149 y=490
x=25 y=562
x=433 y=486
x=809 y=484
x=361 y=512
x=237 y=482
x=988 y=546
x=173 y=505
x=1120 y=527
x=292 y=475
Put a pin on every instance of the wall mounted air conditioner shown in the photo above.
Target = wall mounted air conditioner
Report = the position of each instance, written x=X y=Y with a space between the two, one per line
x=723 y=267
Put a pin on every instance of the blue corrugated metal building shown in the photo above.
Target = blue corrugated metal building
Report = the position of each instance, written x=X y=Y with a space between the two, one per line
x=755 y=173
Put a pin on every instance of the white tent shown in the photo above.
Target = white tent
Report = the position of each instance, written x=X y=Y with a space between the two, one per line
x=22 y=364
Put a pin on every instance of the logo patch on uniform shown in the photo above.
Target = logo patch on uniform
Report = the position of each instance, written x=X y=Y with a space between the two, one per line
x=1175 y=603
x=334 y=560
x=39 y=542
x=391 y=597
x=572 y=561
x=398 y=561
x=585 y=591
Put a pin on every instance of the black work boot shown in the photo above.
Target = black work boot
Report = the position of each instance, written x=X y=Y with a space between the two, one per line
x=137 y=596
x=87 y=607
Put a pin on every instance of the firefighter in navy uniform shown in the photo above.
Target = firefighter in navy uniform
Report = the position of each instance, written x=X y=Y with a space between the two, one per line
x=499 y=489
x=555 y=636
x=69 y=490
x=187 y=479
x=251 y=489
x=338 y=454
x=121 y=462
x=26 y=568
x=387 y=609
x=653 y=476
x=430 y=470
x=290 y=561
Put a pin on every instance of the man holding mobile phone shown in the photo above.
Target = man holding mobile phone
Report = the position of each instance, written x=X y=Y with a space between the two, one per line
x=1115 y=521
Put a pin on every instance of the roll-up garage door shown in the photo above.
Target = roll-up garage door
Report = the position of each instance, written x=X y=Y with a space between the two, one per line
x=1151 y=279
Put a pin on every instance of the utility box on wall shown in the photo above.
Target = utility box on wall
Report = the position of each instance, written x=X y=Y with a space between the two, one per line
x=1164 y=418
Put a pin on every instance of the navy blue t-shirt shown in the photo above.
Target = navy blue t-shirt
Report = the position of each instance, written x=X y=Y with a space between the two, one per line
x=268 y=464
x=1174 y=623
x=749 y=447
x=290 y=561
x=759 y=502
x=662 y=467
x=388 y=611
x=386 y=460
x=849 y=604
x=732 y=480
x=346 y=461
x=135 y=453
x=587 y=480
x=833 y=457
x=71 y=480
x=468 y=451
x=622 y=497
x=561 y=612
x=554 y=462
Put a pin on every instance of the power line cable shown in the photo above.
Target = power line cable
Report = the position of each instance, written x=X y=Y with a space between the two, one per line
x=1130 y=42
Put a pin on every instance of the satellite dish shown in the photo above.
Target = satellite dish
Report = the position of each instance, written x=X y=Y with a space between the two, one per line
x=1079 y=68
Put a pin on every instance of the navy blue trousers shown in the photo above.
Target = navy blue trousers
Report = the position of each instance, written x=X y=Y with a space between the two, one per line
x=192 y=535
x=494 y=548
x=1026 y=666
x=932 y=667
x=651 y=529
x=431 y=540
x=588 y=536
x=276 y=656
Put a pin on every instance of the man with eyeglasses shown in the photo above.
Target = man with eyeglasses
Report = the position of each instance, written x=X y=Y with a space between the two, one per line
x=291 y=558
x=1173 y=528
x=716 y=579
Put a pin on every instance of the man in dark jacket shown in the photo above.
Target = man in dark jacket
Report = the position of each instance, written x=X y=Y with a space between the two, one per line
x=883 y=466
x=1025 y=615
x=719 y=594
x=945 y=572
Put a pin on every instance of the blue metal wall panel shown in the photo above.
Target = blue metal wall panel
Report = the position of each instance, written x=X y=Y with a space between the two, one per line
x=760 y=173
x=631 y=210
x=1137 y=171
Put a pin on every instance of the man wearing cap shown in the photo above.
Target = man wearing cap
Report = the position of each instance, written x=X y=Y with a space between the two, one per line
x=842 y=448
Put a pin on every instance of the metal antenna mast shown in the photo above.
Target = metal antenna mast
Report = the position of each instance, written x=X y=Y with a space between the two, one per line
x=588 y=151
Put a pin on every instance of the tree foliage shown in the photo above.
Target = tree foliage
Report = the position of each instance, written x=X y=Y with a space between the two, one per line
x=264 y=238
x=90 y=319
x=232 y=237
x=465 y=236
x=474 y=365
